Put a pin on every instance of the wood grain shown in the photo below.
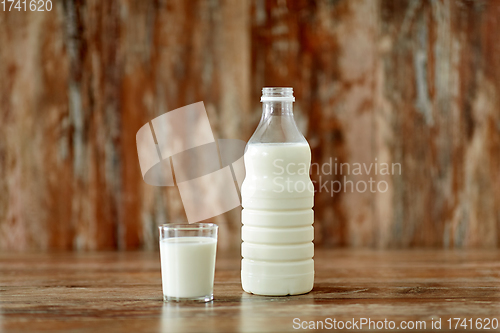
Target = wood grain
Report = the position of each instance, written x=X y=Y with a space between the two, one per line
x=121 y=292
x=407 y=82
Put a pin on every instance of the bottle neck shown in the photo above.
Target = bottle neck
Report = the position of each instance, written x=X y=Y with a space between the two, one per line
x=277 y=124
x=277 y=109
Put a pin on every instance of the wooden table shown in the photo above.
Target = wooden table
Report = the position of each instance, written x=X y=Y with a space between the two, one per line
x=121 y=292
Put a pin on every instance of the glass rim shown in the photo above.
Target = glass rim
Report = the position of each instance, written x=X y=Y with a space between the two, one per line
x=188 y=226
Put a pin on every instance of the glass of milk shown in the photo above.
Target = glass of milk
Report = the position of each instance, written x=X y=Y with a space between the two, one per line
x=187 y=253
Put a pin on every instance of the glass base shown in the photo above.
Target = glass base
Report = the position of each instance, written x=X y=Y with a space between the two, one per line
x=206 y=298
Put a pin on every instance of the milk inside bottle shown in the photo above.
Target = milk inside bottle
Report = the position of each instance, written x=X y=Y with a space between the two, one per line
x=277 y=199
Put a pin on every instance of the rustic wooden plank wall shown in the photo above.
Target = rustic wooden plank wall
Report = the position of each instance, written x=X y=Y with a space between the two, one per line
x=409 y=82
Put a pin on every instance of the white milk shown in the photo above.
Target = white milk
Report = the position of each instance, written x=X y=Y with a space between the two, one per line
x=277 y=197
x=187 y=266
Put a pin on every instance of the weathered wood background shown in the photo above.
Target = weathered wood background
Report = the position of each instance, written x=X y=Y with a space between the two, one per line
x=409 y=82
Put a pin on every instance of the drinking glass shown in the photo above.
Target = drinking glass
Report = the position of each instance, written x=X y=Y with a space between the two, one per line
x=187 y=253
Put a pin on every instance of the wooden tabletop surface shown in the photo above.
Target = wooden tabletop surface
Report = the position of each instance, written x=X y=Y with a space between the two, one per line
x=121 y=292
